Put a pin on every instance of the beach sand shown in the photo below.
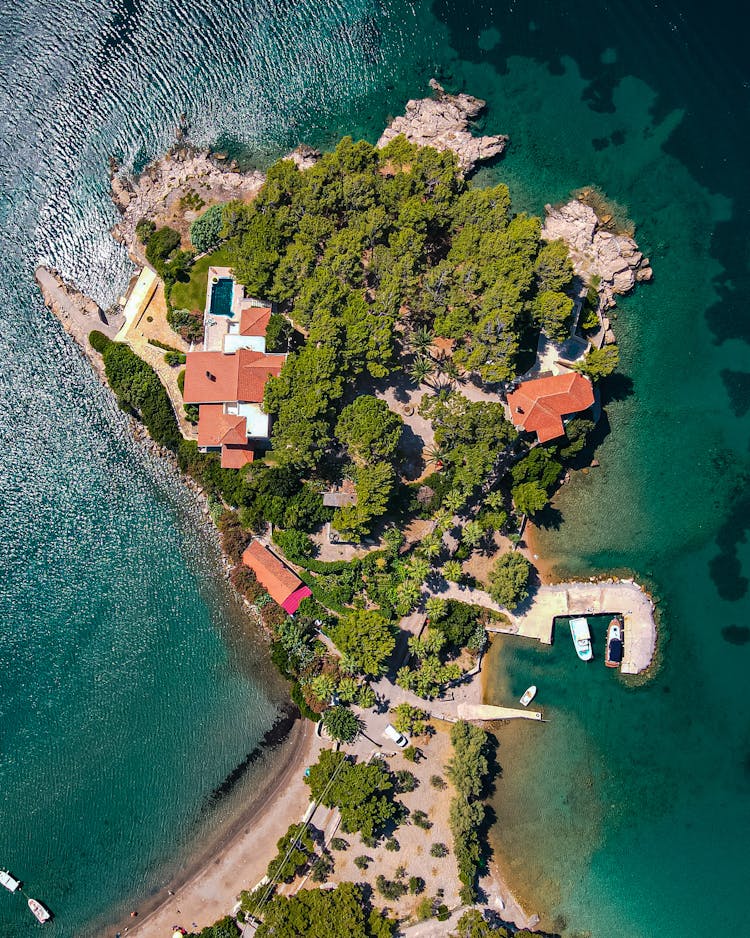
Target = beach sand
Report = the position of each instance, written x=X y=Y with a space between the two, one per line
x=207 y=889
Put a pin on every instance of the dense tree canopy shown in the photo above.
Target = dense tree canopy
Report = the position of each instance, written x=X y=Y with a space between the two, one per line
x=205 y=232
x=368 y=242
x=343 y=912
x=363 y=792
x=366 y=639
x=509 y=579
x=369 y=429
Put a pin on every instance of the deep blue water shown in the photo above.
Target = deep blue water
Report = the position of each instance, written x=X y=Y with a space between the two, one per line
x=126 y=688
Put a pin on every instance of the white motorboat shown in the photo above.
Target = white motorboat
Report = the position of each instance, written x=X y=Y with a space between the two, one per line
x=579 y=629
x=41 y=914
x=10 y=882
x=528 y=695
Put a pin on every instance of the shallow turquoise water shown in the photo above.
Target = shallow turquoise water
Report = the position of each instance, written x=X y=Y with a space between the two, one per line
x=127 y=691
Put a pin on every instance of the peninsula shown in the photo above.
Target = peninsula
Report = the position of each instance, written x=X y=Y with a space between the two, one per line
x=375 y=372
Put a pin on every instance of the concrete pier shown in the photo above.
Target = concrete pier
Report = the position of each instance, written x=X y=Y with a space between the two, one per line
x=486 y=712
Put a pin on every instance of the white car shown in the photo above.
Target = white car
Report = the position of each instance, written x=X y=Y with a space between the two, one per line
x=398 y=738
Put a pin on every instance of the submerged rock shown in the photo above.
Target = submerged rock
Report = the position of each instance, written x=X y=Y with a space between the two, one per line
x=442 y=122
x=614 y=258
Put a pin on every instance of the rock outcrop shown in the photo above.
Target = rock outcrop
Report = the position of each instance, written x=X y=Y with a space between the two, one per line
x=442 y=122
x=614 y=258
x=156 y=192
x=78 y=313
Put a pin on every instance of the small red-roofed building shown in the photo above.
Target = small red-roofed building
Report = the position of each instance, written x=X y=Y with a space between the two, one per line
x=542 y=405
x=282 y=584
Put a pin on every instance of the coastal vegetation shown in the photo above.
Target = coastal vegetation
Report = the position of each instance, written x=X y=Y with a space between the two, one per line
x=343 y=912
x=139 y=391
x=468 y=772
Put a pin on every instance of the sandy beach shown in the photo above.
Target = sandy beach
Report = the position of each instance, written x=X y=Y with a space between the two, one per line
x=207 y=889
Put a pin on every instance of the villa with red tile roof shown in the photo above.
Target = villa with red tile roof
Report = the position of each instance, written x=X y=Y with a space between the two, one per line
x=283 y=586
x=227 y=380
x=541 y=406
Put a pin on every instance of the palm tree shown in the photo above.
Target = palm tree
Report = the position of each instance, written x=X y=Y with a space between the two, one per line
x=421 y=369
x=421 y=341
x=430 y=547
x=417 y=569
x=452 y=571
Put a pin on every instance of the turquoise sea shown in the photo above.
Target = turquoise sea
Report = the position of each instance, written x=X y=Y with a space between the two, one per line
x=130 y=686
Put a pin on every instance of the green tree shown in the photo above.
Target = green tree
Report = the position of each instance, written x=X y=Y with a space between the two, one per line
x=293 y=853
x=509 y=579
x=553 y=267
x=343 y=912
x=363 y=792
x=367 y=639
x=529 y=497
x=553 y=312
x=342 y=724
x=599 y=362
x=369 y=429
x=205 y=232
x=472 y=924
x=452 y=571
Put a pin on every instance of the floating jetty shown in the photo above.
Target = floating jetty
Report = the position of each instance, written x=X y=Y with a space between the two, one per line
x=487 y=712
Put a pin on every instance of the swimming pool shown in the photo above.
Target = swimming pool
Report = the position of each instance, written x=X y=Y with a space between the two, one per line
x=221 y=297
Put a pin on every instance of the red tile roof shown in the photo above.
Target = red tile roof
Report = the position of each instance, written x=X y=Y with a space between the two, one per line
x=215 y=377
x=235 y=457
x=538 y=406
x=254 y=320
x=216 y=428
x=278 y=579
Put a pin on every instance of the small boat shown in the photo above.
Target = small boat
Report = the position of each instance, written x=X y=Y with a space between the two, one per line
x=10 y=882
x=528 y=695
x=579 y=629
x=613 y=654
x=42 y=915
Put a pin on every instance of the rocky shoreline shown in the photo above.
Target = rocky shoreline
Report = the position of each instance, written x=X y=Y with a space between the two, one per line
x=442 y=122
x=597 y=252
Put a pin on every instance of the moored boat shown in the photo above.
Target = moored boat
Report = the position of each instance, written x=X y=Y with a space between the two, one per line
x=528 y=695
x=613 y=654
x=10 y=882
x=42 y=915
x=579 y=629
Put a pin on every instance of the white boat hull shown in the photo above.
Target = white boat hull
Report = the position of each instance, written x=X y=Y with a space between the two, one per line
x=529 y=695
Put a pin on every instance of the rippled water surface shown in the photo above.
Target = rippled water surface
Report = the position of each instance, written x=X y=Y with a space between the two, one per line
x=128 y=687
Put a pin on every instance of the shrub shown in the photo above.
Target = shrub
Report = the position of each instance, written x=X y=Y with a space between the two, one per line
x=420 y=819
x=144 y=229
x=411 y=753
x=406 y=780
x=362 y=862
x=416 y=885
x=443 y=913
x=437 y=781
x=338 y=843
x=181 y=384
x=205 y=232
x=393 y=845
x=160 y=245
x=98 y=341
x=140 y=392
x=390 y=888
x=175 y=358
x=425 y=909
x=189 y=325
x=438 y=850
